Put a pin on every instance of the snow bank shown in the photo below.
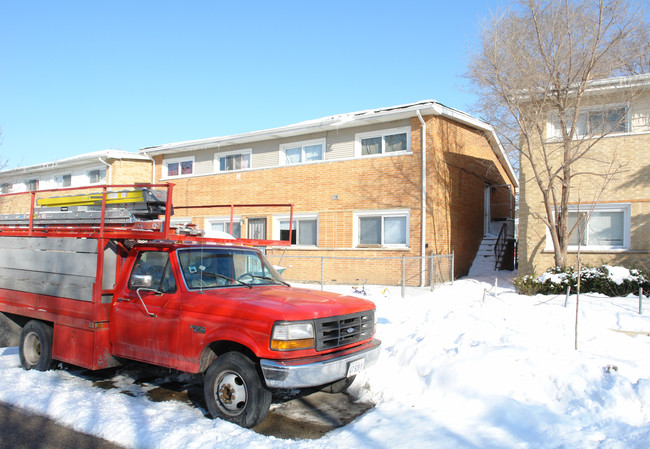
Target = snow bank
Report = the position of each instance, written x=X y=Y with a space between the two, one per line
x=456 y=371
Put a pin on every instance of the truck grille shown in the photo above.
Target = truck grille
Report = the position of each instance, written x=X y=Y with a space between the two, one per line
x=334 y=332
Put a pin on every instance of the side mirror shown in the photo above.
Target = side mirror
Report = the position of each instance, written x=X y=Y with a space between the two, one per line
x=141 y=281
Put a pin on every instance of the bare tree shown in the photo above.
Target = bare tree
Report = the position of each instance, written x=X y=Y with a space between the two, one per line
x=540 y=63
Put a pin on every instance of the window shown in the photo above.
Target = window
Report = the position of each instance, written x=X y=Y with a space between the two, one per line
x=64 y=181
x=178 y=167
x=215 y=225
x=382 y=228
x=234 y=160
x=31 y=185
x=299 y=152
x=155 y=264
x=304 y=229
x=607 y=228
x=5 y=188
x=96 y=176
x=594 y=122
x=390 y=141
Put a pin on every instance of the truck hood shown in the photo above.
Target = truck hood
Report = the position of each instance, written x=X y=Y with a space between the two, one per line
x=295 y=303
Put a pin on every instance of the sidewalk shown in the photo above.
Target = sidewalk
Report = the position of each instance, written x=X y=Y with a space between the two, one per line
x=23 y=430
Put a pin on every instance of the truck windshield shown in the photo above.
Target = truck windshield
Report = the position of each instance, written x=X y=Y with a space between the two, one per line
x=222 y=267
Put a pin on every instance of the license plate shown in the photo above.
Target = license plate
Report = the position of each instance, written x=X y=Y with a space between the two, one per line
x=356 y=367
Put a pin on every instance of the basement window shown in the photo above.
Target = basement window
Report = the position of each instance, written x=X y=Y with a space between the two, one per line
x=381 y=228
x=304 y=230
x=608 y=228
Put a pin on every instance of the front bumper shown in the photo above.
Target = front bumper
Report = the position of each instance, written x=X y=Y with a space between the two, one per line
x=321 y=370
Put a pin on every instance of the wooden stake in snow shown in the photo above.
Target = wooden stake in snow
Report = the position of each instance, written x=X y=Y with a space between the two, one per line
x=566 y=300
x=640 y=300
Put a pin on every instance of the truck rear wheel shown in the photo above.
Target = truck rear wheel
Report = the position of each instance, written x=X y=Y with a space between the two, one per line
x=234 y=391
x=36 y=346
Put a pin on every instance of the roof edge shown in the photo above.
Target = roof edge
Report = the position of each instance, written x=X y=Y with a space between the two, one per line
x=346 y=120
x=75 y=160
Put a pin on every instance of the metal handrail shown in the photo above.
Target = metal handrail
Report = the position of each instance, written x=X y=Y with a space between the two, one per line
x=499 y=247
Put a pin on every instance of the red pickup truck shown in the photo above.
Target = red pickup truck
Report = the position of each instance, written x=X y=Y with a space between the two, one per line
x=93 y=295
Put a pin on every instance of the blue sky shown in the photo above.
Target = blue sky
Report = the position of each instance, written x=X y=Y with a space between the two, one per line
x=79 y=76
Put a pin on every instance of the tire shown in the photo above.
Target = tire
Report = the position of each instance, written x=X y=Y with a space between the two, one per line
x=35 y=350
x=339 y=386
x=234 y=391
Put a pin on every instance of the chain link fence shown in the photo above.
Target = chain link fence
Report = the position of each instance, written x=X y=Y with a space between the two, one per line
x=402 y=271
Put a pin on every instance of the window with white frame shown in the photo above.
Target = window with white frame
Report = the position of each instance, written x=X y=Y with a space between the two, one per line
x=388 y=141
x=233 y=160
x=178 y=167
x=31 y=185
x=63 y=181
x=382 y=228
x=302 y=152
x=214 y=226
x=611 y=119
x=608 y=227
x=304 y=230
x=97 y=176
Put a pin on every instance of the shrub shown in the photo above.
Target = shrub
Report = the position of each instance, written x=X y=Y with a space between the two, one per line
x=608 y=280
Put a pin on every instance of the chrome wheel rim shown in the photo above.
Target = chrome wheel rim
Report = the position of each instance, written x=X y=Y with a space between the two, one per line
x=231 y=393
x=32 y=348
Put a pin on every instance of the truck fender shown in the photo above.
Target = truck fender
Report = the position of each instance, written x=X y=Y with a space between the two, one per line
x=216 y=348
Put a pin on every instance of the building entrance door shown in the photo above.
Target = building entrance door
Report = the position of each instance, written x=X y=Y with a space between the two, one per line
x=257 y=228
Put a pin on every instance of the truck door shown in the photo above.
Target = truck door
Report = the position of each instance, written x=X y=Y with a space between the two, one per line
x=145 y=318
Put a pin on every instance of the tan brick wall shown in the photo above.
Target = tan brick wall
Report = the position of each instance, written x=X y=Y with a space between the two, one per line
x=630 y=186
x=461 y=163
x=130 y=171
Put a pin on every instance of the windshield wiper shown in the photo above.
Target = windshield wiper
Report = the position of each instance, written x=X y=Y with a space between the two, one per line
x=275 y=281
x=217 y=275
x=231 y=280
x=244 y=283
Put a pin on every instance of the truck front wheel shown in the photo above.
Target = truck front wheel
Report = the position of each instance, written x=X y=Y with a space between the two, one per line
x=234 y=391
x=36 y=346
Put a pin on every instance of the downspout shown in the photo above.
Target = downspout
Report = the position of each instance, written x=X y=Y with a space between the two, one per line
x=109 y=172
x=153 y=167
x=423 y=206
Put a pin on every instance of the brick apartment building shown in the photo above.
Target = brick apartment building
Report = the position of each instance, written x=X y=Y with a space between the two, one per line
x=356 y=181
x=618 y=231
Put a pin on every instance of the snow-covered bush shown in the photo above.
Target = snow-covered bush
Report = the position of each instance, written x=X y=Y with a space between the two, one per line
x=608 y=280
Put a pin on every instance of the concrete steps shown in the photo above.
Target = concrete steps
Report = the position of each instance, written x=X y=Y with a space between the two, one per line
x=485 y=253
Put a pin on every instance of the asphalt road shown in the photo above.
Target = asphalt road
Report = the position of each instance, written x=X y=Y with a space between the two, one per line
x=20 y=429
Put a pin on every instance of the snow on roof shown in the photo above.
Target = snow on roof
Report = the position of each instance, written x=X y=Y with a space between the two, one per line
x=75 y=160
x=347 y=120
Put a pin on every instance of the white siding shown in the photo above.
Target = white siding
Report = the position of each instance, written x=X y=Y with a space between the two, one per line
x=640 y=115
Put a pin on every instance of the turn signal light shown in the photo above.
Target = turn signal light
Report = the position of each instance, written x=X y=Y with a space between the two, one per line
x=289 y=345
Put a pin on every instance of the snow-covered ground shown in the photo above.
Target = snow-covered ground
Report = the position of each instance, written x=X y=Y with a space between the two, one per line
x=458 y=369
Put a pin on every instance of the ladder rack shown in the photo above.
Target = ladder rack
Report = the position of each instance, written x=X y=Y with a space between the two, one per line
x=136 y=212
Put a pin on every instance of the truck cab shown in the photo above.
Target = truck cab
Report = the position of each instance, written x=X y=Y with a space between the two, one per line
x=187 y=306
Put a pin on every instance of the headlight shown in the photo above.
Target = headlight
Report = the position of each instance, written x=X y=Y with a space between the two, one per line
x=291 y=336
